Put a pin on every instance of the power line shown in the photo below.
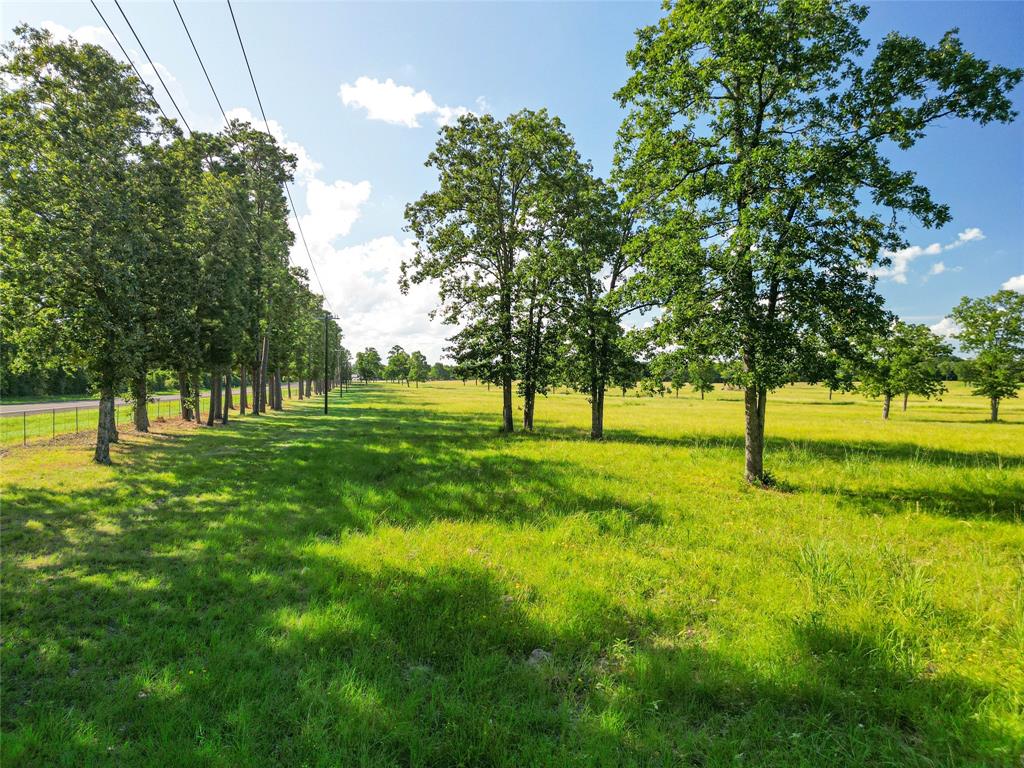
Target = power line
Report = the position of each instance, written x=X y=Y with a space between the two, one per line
x=150 y=60
x=287 y=187
x=247 y=66
x=129 y=58
x=201 y=64
x=216 y=97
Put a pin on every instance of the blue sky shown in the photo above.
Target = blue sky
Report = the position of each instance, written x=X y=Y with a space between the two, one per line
x=357 y=90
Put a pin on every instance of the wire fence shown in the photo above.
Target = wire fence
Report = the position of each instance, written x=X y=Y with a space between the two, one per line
x=35 y=425
x=45 y=423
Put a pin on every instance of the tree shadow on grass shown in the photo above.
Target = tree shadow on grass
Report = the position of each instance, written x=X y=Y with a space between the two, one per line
x=235 y=659
x=956 y=500
x=833 y=450
x=183 y=610
x=959 y=496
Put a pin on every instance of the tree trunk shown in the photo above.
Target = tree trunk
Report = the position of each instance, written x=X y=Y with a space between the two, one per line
x=905 y=396
x=241 y=390
x=226 y=405
x=115 y=436
x=597 y=413
x=528 y=410
x=754 y=407
x=184 y=396
x=995 y=408
x=278 y=399
x=264 y=374
x=103 y=427
x=212 y=414
x=506 y=404
x=702 y=394
x=141 y=403
x=885 y=406
x=199 y=398
x=830 y=393
x=289 y=387
x=254 y=405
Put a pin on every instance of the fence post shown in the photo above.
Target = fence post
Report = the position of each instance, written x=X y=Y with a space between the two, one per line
x=24 y=428
x=53 y=425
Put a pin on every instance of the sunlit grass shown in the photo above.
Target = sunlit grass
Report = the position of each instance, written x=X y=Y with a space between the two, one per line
x=367 y=588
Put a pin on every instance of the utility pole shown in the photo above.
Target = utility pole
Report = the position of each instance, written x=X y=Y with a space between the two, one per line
x=327 y=316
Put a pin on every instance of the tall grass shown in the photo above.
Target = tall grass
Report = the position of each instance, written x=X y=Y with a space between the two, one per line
x=370 y=587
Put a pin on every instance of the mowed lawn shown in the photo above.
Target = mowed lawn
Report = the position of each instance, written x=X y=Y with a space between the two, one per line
x=369 y=588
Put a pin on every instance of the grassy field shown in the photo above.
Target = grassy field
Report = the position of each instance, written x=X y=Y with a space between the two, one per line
x=370 y=588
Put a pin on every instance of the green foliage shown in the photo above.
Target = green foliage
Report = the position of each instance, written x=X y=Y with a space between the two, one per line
x=419 y=368
x=992 y=329
x=128 y=248
x=755 y=136
x=71 y=222
x=369 y=366
x=484 y=235
x=702 y=374
x=903 y=360
x=397 y=368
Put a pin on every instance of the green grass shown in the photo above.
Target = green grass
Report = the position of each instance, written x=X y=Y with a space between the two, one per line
x=367 y=588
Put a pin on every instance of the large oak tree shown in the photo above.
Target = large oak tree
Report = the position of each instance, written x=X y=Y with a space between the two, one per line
x=481 y=236
x=72 y=230
x=757 y=153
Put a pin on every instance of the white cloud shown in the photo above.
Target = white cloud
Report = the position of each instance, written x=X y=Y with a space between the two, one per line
x=969 y=235
x=1015 y=283
x=361 y=282
x=87 y=34
x=946 y=328
x=901 y=259
x=333 y=208
x=398 y=104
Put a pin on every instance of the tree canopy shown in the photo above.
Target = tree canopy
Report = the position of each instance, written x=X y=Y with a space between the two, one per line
x=757 y=156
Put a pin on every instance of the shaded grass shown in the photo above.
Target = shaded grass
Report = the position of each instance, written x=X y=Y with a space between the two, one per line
x=366 y=588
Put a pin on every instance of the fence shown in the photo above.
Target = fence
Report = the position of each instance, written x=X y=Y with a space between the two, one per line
x=33 y=424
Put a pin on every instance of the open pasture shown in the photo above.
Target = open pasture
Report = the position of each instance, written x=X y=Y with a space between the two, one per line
x=398 y=584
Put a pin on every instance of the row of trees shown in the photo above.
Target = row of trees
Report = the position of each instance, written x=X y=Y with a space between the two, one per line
x=128 y=247
x=903 y=360
x=753 y=190
x=401 y=366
